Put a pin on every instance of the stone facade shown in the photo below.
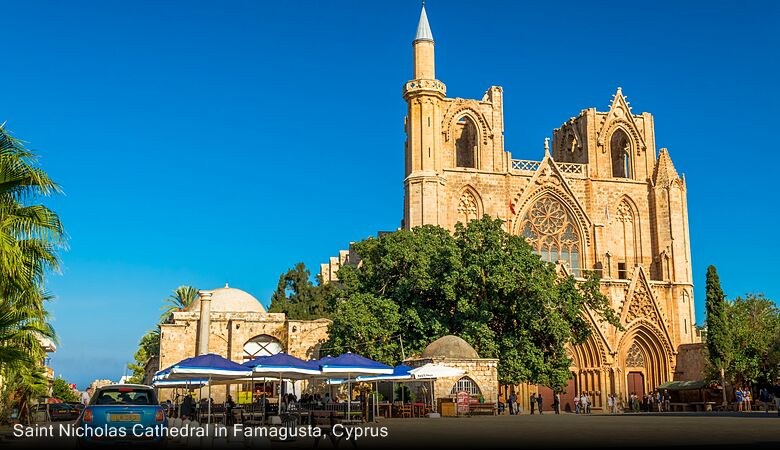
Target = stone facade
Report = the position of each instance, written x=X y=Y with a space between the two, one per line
x=238 y=331
x=602 y=198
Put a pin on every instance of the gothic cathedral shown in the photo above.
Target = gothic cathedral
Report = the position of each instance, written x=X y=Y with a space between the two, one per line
x=600 y=199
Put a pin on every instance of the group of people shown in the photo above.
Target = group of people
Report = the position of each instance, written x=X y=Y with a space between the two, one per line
x=655 y=401
x=582 y=403
x=537 y=403
x=744 y=398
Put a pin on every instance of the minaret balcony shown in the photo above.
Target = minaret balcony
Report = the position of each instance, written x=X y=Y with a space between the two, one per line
x=423 y=86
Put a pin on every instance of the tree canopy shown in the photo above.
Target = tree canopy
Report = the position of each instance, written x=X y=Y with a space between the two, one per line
x=301 y=299
x=750 y=340
x=480 y=283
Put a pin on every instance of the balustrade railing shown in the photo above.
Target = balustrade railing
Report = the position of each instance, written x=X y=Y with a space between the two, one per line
x=573 y=169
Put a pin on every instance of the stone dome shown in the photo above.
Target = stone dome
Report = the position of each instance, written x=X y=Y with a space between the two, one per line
x=450 y=347
x=228 y=299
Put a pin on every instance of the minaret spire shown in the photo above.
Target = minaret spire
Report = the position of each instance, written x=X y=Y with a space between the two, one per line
x=423 y=27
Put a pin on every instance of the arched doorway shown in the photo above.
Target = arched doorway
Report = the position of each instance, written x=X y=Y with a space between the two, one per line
x=643 y=353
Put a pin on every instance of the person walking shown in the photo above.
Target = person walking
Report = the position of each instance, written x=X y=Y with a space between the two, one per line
x=576 y=403
x=611 y=403
x=533 y=403
x=539 y=402
x=557 y=403
x=763 y=397
x=776 y=394
x=738 y=394
x=511 y=401
x=588 y=401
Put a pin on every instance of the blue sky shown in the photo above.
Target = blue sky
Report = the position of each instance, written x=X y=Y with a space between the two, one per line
x=211 y=142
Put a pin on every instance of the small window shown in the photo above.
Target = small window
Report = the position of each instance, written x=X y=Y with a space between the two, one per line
x=622 y=271
x=465 y=384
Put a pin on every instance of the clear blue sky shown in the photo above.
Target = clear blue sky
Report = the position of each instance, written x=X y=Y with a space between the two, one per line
x=211 y=142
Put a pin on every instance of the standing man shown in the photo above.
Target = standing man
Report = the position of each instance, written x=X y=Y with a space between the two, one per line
x=557 y=403
x=533 y=402
x=539 y=402
x=776 y=393
x=512 y=400
x=667 y=400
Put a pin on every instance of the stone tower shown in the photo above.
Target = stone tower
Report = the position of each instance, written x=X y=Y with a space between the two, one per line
x=601 y=199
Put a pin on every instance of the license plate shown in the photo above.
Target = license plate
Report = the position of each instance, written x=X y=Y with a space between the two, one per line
x=125 y=417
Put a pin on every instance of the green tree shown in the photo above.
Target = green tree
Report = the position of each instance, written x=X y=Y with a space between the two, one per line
x=22 y=384
x=482 y=284
x=61 y=389
x=301 y=299
x=148 y=347
x=181 y=298
x=366 y=325
x=717 y=341
x=751 y=327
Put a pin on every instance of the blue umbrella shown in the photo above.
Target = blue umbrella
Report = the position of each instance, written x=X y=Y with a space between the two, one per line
x=350 y=365
x=400 y=373
x=210 y=366
x=284 y=365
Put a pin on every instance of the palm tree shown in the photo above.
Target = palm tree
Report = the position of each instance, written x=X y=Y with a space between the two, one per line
x=179 y=300
x=30 y=237
x=30 y=234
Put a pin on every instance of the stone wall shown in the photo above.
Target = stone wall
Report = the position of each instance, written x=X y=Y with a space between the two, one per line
x=691 y=362
x=484 y=372
x=228 y=334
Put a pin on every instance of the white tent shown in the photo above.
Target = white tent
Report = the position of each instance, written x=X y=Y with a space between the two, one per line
x=432 y=372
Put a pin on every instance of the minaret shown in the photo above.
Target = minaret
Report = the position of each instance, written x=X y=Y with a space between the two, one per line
x=423 y=94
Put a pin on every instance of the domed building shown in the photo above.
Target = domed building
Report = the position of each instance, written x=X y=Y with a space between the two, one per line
x=234 y=324
x=481 y=374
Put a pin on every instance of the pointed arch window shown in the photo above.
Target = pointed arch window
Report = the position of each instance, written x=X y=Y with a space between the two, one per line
x=468 y=207
x=620 y=151
x=465 y=143
x=552 y=232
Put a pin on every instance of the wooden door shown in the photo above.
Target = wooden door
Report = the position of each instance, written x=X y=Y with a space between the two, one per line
x=636 y=384
x=567 y=397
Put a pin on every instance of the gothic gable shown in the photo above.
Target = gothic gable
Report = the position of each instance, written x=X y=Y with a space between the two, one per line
x=620 y=116
x=549 y=180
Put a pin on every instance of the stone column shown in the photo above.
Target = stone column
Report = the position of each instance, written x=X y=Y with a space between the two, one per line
x=205 y=322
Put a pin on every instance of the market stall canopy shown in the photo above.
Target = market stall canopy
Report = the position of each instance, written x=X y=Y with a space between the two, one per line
x=682 y=385
x=284 y=366
x=351 y=365
x=210 y=365
x=400 y=373
x=193 y=384
x=432 y=371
